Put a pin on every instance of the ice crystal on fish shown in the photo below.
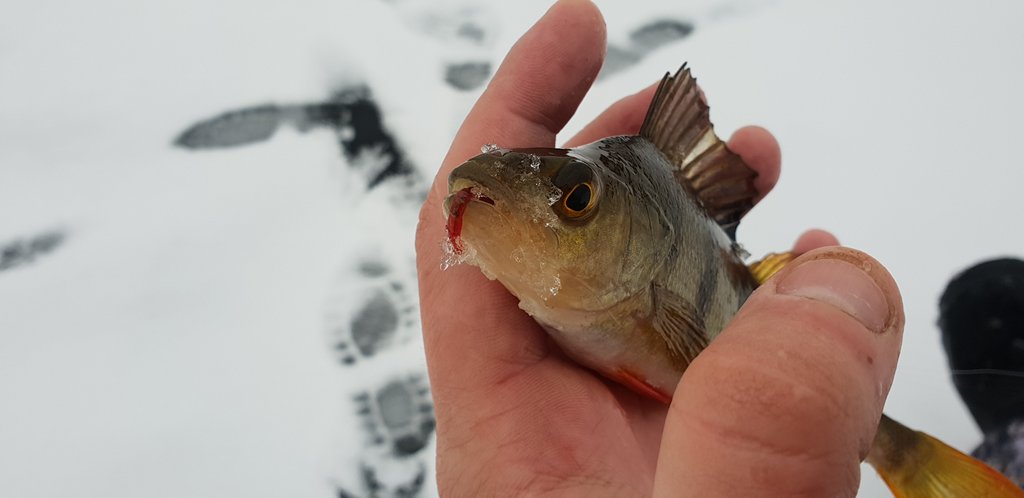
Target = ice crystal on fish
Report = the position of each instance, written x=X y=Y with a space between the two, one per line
x=489 y=149
x=741 y=252
x=534 y=163
x=518 y=254
x=451 y=257
x=555 y=287
x=554 y=194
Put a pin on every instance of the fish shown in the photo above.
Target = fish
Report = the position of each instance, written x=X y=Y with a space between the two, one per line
x=624 y=250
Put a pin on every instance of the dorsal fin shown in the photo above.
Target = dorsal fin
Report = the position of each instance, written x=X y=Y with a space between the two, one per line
x=678 y=124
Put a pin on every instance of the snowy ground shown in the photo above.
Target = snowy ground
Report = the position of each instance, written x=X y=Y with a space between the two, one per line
x=206 y=320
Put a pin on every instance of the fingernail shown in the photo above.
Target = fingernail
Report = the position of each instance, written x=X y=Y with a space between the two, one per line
x=842 y=285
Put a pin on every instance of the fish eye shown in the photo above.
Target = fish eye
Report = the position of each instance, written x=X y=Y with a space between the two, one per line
x=580 y=190
x=579 y=200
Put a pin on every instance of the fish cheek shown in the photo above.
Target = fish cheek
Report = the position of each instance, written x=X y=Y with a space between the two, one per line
x=513 y=250
x=642 y=240
x=486 y=235
x=594 y=253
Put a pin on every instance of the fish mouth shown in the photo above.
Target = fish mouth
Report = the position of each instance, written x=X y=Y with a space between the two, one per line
x=506 y=200
x=463 y=193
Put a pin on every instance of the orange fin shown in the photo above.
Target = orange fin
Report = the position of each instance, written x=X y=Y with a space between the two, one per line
x=916 y=465
x=634 y=382
x=770 y=265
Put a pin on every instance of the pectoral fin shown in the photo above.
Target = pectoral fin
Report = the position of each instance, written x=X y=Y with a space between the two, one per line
x=916 y=465
x=678 y=323
x=678 y=123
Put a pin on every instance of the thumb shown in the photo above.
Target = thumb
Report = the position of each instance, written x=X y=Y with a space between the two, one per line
x=786 y=401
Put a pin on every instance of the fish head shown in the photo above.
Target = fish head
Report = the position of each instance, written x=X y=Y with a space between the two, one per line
x=558 y=229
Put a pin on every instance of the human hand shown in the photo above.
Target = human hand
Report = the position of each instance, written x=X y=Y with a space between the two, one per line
x=784 y=402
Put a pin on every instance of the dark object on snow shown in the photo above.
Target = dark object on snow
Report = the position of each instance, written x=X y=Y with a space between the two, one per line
x=660 y=32
x=233 y=128
x=399 y=415
x=642 y=41
x=467 y=75
x=24 y=251
x=352 y=113
x=981 y=314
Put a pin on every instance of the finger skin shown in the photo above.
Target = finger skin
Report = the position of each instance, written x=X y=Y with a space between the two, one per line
x=813 y=239
x=785 y=402
x=761 y=151
x=621 y=118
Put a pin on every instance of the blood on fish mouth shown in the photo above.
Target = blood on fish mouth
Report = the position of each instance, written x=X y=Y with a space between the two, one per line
x=456 y=210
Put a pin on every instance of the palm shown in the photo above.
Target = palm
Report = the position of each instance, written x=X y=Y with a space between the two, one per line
x=558 y=428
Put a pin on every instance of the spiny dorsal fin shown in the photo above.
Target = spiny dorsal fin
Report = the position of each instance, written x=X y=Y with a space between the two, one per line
x=678 y=124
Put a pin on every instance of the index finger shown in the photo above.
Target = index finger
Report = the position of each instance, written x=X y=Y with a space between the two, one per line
x=535 y=91
x=538 y=87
